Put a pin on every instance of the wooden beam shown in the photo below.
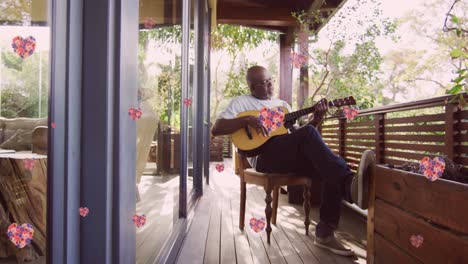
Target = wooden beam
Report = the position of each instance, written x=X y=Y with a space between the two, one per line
x=286 y=44
x=303 y=91
x=229 y=14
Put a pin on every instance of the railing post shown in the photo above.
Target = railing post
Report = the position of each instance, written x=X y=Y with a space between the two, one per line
x=449 y=130
x=379 y=123
x=341 y=137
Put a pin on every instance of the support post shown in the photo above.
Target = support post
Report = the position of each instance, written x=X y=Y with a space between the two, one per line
x=285 y=85
x=303 y=92
x=341 y=137
x=449 y=130
x=379 y=138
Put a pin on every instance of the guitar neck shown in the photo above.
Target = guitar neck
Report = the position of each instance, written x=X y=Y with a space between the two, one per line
x=296 y=114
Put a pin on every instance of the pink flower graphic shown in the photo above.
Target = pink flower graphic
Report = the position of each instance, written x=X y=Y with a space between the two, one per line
x=432 y=169
x=84 y=211
x=134 y=113
x=298 y=60
x=29 y=164
x=257 y=224
x=139 y=220
x=149 y=22
x=416 y=240
x=188 y=101
x=271 y=119
x=20 y=235
x=219 y=167
x=350 y=113
x=24 y=47
x=53 y=125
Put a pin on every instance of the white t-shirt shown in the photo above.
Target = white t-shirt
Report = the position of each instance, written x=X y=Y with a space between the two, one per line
x=248 y=102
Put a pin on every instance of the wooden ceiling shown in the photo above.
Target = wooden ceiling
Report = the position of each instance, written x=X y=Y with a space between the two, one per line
x=270 y=14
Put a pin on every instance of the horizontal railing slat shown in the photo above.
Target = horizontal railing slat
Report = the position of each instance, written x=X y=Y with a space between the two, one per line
x=357 y=157
x=415 y=119
x=421 y=147
x=360 y=130
x=463 y=126
x=408 y=155
x=463 y=137
x=462 y=149
x=368 y=137
x=328 y=126
x=461 y=160
x=424 y=128
x=359 y=143
x=417 y=138
x=464 y=114
x=393 y=161
x=360 y=123
x=357 y=149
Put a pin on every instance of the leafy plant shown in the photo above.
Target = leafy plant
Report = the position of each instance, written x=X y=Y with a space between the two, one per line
x=336 y=71
x=459 y=54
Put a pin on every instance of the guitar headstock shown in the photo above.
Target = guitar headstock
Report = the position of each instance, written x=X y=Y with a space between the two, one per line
x=344 y=101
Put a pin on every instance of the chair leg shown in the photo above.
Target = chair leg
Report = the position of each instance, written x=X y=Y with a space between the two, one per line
x=307 y=207
x=268 y=212
x=243 y=196
x=275 y=205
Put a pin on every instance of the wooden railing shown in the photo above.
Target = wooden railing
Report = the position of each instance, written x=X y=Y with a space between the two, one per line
x=402 y=132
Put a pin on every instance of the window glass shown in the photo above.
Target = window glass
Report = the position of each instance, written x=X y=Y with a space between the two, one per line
x=24 y=90
x=158 y=129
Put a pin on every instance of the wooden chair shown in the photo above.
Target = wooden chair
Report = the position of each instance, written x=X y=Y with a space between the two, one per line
x=271 y=182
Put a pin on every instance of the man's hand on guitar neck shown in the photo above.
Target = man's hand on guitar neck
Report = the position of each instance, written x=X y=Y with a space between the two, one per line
x=229 y=126
x=321 y=108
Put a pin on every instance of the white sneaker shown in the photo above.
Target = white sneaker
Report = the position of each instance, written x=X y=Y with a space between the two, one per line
x=334 y=245
x=360 y=184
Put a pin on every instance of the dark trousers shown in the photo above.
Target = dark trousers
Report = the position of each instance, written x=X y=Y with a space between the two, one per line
x=303 y=151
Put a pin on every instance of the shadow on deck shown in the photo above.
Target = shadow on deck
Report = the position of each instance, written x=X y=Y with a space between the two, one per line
x=215 y=229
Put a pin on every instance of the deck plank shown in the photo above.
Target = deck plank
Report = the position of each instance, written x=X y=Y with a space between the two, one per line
x=228 y=249
x=287 y=249
x=256 y=208
x=212 y=250
x=226 y=243
x=195 y=240
x=243 y=250
x=257 y=251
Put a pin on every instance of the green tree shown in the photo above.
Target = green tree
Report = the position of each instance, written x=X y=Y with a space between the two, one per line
x=352 y=63
x=457 y=27
x=236 y=40
x=20 y=84
x=431 y=66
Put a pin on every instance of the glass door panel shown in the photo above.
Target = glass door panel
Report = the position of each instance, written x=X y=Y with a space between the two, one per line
x=24 y=97
x=158 y=129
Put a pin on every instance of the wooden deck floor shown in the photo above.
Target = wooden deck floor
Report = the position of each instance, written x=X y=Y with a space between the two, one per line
x=215 y=237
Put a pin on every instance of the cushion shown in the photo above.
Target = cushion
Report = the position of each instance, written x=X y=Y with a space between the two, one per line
x=21 y=140
x=11 y=126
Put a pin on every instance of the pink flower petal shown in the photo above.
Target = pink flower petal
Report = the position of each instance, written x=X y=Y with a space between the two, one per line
x=416 y=240
x=219 y=167
x=84 y=211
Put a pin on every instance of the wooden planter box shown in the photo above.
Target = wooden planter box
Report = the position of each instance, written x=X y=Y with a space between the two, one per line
x=403 y=204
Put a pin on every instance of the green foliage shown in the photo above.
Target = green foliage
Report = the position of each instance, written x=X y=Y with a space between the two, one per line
x=236 y=84
x=20 y=81
x=341 y=71
x=459 y=53
x=169 y=94
x=237 y=38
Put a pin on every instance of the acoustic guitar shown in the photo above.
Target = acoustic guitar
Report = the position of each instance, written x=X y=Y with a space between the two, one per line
x=277 y=121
